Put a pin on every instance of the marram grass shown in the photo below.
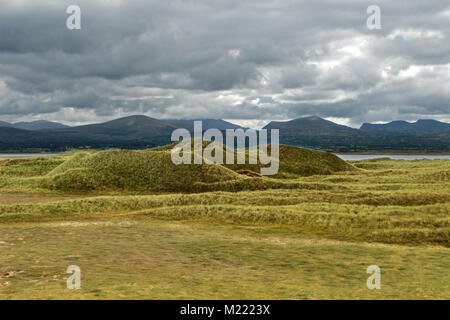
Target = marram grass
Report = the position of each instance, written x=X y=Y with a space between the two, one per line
x=140 y=228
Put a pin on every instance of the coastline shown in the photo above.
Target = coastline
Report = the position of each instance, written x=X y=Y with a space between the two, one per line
x=395 y=152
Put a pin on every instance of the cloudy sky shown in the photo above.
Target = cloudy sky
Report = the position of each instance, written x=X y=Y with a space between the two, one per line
x=251 y=61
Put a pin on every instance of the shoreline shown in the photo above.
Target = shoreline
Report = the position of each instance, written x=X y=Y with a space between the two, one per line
x=400 y=153
x=362 y=153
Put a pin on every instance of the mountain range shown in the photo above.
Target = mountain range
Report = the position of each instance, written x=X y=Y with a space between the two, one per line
x=315 y=132
x=141 y=131
x=33 y=125
x=129 y=132
x=422 y=125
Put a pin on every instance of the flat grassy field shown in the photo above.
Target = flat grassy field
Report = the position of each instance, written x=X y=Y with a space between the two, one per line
x=304 y=234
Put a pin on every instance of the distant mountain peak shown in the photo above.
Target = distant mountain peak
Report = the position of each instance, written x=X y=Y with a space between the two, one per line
x=313 y=118
x=206 y=124
x=306 y=123
x=137 y=118
x=421 y=125
x=33 y=125
x=5 y=124
x=428 y=120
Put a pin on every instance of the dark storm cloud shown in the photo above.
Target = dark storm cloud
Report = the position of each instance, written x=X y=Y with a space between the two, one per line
x=224 y=59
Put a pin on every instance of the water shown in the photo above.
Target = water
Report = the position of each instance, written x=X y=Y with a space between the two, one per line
x=21 y=155
x=356 y=157
x=353 y=157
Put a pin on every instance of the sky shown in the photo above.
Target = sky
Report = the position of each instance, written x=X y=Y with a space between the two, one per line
x=247 y=61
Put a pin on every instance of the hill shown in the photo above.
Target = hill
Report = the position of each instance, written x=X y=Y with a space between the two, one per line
x=312 y=123
x=39 y=125
x=18 y=139
x=137 y=170
x=152 y=170
x=422 y=125
x=298 y=162
x=5 y=124
x=128 y=132
x=34 y=125
x=132 y=126
x=314 y=132
x=317 y=133
x=206 y=124
x=5 y=131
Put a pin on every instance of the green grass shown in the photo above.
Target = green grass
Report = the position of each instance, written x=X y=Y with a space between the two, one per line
x=303 y=234
x=129 y=259
x=152 y=170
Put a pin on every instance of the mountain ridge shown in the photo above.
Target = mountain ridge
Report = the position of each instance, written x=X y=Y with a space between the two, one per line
x=33 y=125
x=139 y=131
x=421 y=125
x=311 y=122
x=207 y=123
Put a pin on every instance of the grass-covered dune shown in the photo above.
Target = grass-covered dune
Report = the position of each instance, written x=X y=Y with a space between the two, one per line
x=390 y=201
x=140 y=170
x=138 y=228
x=152 y=170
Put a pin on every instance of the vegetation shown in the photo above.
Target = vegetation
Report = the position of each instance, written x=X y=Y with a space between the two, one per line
x=309 y=232
x=144 y=171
